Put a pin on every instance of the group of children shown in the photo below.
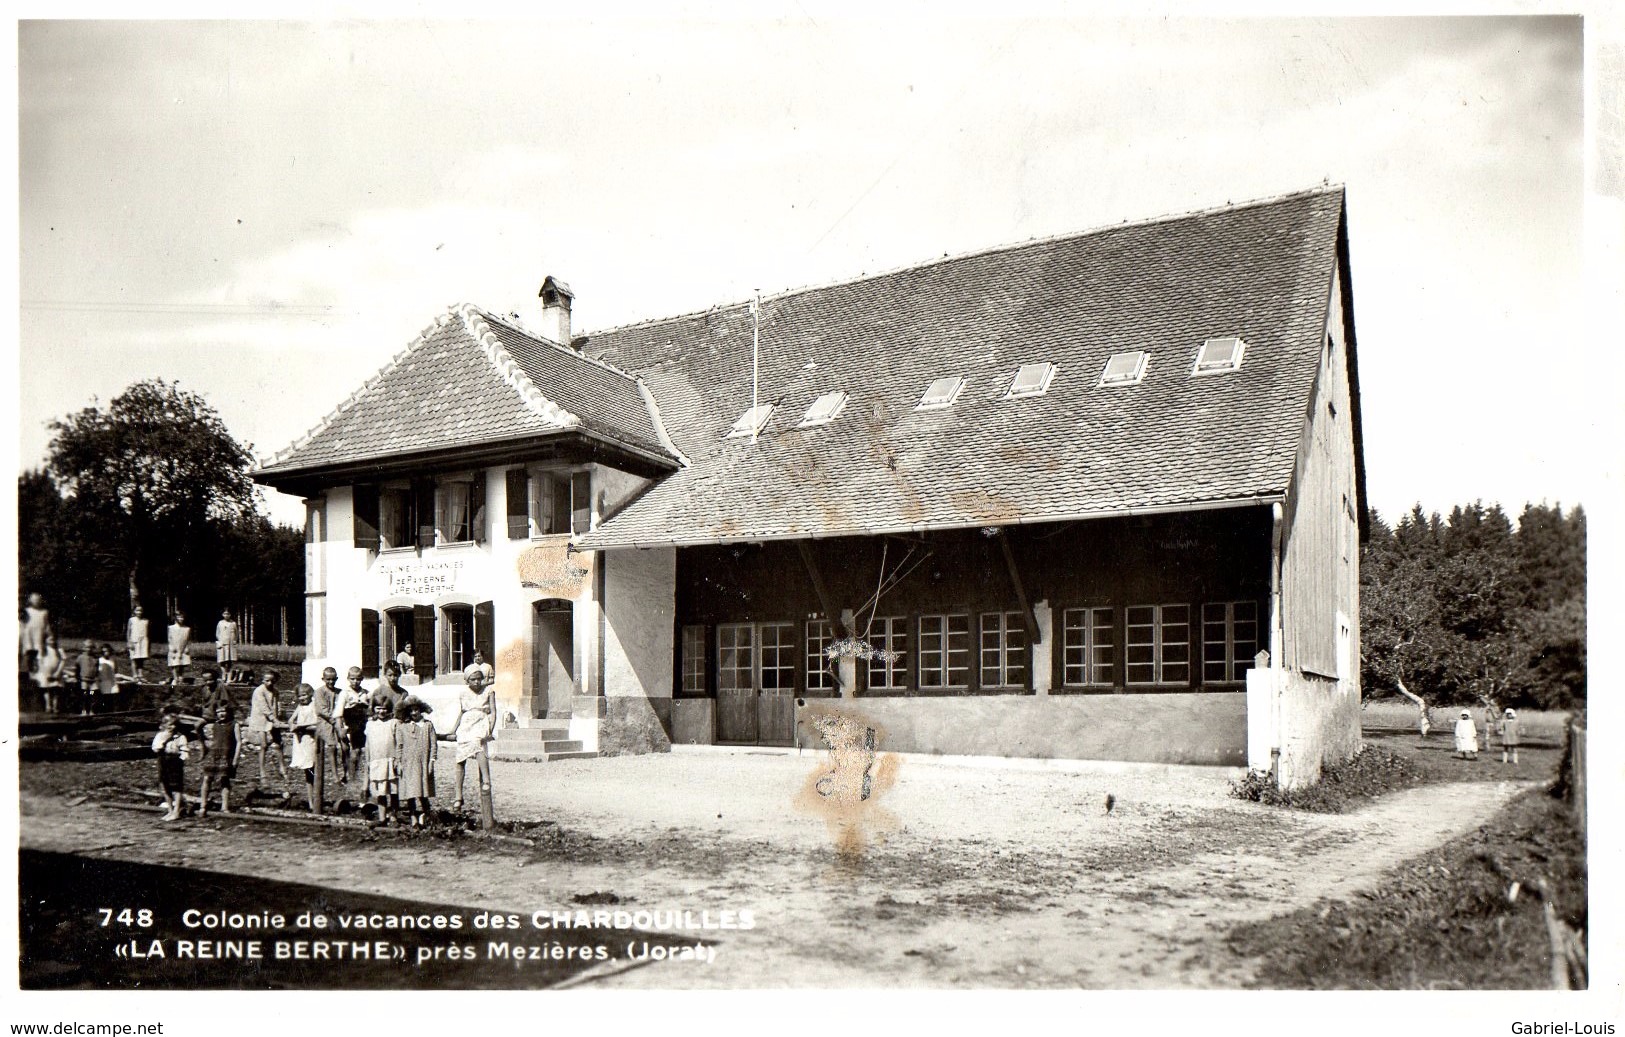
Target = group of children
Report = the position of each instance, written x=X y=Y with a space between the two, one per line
x=84 y=683
x=1466 y=734
x=386 y=728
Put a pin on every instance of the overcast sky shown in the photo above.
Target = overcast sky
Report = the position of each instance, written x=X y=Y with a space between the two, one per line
x=267 y=212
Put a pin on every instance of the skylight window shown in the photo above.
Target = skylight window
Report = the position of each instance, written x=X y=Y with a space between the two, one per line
x=752 y=421
x=1219 y=354
x=942 y=393
x=1125 y=368
x=824 y=409
x=1031 y=380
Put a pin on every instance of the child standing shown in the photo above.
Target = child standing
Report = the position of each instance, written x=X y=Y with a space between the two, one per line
x=221 y=747
x=303 y=723
x=1509 y=736
x=1466 y=736
x=380 y=745
x=106 y=681
x=48 y=673
x=415 y=753
x=171 y=746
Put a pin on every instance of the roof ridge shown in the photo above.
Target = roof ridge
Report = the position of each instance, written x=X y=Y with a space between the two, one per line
x=1011 y=246
x=569 y=351
x=653 y=404
x=512 y=372
x=440 y=321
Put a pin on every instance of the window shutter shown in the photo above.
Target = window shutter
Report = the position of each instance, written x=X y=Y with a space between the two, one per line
x=518 y=507
x=485 y=639
x=366 y=516
x=476 y=509
x=423 y=641
x=580 y=502
x=369 y=643
x=423 y=500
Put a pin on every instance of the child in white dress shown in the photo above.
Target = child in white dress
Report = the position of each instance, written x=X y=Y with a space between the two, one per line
x=380 y=748
x=1466 y=736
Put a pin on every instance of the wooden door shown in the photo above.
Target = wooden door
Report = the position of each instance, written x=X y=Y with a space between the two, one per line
x=736 y=683
x=552 y=661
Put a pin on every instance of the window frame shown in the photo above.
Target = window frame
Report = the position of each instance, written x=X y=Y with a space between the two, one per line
x=1235 y=666
x=1089 y=647
x=818 y=634
x=810 y=420
x=1040 y=389
x=1238 y=351
x=1011 y=626
x=926 y=403
x=392 y=493
x=451 y=614
x=892 y=629
x=946 y=683
x=692 y=661
x=1138 y=376
x=1159 y=645
x=743 y=426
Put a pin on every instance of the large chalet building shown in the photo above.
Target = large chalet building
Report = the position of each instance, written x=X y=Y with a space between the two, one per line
x=1093 y=497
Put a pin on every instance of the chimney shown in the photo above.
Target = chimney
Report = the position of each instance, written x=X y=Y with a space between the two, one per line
x=553 y=313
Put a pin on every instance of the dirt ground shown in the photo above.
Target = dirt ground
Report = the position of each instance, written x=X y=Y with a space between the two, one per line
x=970 y=877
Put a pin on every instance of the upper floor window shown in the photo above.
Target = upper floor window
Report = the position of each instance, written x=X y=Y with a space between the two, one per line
x=395 y=522
x=456 y=505
x=543 y=502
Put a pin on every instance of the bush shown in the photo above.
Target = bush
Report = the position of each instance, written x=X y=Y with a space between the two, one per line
x=1370 y=773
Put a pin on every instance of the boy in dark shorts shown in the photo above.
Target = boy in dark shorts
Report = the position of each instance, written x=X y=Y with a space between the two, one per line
x=171 y=745
x=221 y=747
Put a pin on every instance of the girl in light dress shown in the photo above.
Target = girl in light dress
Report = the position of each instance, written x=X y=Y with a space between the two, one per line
x=1466 y=736
x=303 y=725
x=416 y=751
x=381 y=770
x=48 y=673
x=180 y=647
x=136 y=636
x=1509 y=736
x=474 y=729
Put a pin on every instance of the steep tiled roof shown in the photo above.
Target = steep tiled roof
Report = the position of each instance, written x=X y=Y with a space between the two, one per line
x=472 y=378
x=1260 y=271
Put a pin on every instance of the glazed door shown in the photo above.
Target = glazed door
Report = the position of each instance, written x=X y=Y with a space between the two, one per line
x=736 y=683
x=776 y=700
x=756 y=683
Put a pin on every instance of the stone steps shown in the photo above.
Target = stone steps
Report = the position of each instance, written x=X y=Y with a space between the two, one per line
x=549 y=740
x=528 y=755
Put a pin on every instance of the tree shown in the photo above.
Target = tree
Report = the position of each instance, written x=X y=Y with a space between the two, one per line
x=152 y=471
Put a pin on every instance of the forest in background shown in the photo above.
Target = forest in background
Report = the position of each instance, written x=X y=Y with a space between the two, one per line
x=1473 y=607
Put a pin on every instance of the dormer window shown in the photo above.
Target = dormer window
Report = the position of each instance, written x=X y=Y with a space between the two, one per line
x=1125 y=368
x=1031 y=380
x=1218 y=355
x=824 y=409
x=752 y=421
x=942 y=393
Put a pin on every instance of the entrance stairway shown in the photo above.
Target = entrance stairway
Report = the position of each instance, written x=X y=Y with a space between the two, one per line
x=543 y=742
